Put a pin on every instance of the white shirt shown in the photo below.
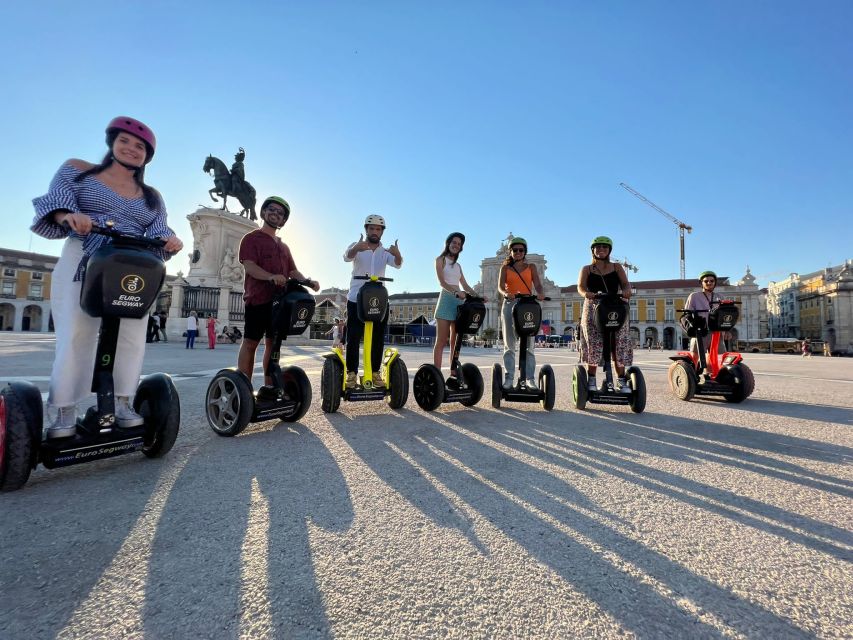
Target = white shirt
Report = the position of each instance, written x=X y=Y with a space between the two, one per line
x=367 y=263
x=452 y=273
x=192 y=323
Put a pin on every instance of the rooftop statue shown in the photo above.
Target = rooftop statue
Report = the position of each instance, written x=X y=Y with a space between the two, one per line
x=232 y=183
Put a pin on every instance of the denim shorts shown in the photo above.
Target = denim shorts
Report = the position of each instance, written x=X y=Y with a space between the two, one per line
x=447 y=305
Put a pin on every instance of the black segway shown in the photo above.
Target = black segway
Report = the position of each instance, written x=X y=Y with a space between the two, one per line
x=430 y=387
x=122 y=280
x=231 y=404
x=527 y=317
x=372 y=306
x=610 y=315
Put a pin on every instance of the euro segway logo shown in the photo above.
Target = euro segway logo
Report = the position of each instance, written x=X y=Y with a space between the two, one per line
x=374 y=302
x=303 y=313
x=727 y=319
x=476 y=318
x=528 y=317
x=613 y=316
x=132 y=284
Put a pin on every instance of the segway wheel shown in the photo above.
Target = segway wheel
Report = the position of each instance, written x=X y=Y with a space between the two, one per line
x=229 y=402
x=741 y=381
x=298 y=388
x=682 y=378
x=497 y=391
x=474 y=381
x=331 y=383
x=428 y=387
x=580 y=387
x=157 y=401
x=638 y=389
x=748 y=380
x=398 y=378
x=548 y=386
x=18 y=446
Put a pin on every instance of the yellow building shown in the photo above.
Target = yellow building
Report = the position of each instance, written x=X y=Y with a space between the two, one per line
x=25 y=290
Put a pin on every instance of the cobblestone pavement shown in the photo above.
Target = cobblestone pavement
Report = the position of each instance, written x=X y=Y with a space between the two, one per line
x=691 y=520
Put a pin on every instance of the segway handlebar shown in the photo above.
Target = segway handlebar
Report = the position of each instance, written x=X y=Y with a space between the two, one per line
x=379 y=278
x=718 y=303
x=126 y=238
x=528 y=296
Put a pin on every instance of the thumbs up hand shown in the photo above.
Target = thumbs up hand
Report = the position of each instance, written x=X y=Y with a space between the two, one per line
x=394 y=250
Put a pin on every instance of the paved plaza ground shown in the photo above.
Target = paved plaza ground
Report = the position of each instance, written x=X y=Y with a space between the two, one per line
x=691 y=520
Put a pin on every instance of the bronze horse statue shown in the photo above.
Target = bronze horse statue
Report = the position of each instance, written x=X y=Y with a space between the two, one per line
x=222 y=181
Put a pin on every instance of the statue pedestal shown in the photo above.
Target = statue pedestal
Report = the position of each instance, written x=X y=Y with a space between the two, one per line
x=216 y=243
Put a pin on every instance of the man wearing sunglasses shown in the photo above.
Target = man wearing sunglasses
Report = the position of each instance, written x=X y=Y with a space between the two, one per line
x=268 y=264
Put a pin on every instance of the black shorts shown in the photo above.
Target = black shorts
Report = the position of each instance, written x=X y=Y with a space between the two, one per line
x=258 y=321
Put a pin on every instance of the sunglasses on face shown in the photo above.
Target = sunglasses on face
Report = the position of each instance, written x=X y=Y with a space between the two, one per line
x=277 y=210
x=518 y=250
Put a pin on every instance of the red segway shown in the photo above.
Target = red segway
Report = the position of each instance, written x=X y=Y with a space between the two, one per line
x=724 y=375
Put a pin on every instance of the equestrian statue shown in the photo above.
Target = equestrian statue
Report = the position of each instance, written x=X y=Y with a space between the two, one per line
x=232 y=183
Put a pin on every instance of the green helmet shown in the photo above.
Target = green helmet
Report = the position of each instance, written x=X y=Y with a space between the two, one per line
x=707 y=273
x=517 y=240
x=601 y=240
x=283 y=203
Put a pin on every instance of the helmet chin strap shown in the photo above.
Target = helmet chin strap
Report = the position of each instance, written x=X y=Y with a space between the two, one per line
x=127 y=166
x=276 y=227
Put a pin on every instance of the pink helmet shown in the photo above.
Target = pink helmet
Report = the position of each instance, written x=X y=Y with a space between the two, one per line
x=135 y=127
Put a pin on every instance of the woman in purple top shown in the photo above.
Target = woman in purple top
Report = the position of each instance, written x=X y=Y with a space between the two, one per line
x=82 y=194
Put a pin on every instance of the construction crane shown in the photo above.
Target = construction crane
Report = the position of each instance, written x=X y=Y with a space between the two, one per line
x=682 y=227
x=627 y=265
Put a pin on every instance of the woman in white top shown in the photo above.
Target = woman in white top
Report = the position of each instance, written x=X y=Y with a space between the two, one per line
x=453 y=288
x=192 y=329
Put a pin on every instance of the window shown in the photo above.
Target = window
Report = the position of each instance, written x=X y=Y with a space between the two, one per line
x=651 y=314
x=8 y=288
x=8 y=273
x=38 y=275
x=633 y=314
x=669 y=315
x=569 y=313
x=669 y=302
x=36 y=290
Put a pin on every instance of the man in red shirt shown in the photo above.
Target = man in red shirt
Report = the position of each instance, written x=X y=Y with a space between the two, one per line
x=268 y=264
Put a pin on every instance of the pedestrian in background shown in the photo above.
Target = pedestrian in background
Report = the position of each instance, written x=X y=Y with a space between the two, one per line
x=192 y=329
x=211 y=331
x=163 y=326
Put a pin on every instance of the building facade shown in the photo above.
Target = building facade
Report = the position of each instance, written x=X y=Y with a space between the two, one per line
x=825 y=305
x=25 y=280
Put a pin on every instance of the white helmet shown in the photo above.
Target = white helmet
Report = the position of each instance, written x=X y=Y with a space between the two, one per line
x=374 y=219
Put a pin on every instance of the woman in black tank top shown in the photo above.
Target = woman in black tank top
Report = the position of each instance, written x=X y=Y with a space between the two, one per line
x=607 y=283
x=602 y=276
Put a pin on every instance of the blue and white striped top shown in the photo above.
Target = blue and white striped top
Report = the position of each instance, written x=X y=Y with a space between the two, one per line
x=99 y=202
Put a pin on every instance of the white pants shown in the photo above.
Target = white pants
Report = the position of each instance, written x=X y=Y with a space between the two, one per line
x=77 y=339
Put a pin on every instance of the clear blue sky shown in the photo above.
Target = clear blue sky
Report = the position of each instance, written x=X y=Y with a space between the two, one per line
x=483 y=117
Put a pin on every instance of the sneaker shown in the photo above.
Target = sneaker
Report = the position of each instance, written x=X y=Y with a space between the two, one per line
x=531 y=384
x=507 y=382
x=126 y=417
x=624 y=387
x=352 y=380
x=268 y=393
x=452 y=383
x=378 y=382
x=65 y=424
x=593 y=386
